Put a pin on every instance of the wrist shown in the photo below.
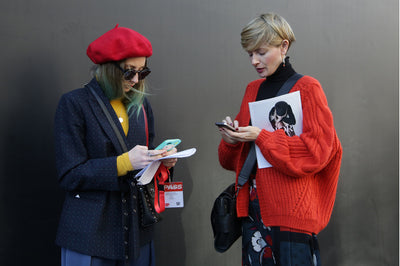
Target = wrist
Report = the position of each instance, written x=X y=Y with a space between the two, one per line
x=258 y=131
x=230 y=142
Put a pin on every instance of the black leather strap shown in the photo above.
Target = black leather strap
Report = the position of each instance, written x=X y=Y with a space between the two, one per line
x=113 y=125
x=247 y=166
x=287 y=86
x=251 y=157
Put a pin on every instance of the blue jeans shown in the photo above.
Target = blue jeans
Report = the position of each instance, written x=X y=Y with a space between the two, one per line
x=73 y=258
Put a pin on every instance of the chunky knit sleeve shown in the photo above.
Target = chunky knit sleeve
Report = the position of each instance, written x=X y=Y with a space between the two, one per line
x=230 y=156
x=310 y=152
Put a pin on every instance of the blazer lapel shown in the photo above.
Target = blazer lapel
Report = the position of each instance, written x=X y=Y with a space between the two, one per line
x=137 y=128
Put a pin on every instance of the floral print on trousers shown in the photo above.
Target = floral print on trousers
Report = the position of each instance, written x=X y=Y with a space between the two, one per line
x=265 y=246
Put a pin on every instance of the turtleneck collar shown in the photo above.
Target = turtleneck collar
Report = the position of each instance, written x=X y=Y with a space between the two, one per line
x=271 y=85
x=282 y=73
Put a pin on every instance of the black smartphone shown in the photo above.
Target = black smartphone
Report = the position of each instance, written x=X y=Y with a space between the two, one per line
x=225 y=125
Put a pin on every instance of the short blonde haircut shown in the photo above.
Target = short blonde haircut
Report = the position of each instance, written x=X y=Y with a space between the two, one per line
x=269 y=28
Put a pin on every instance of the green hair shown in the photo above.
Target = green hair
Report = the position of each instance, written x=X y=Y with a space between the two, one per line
x=109 y=76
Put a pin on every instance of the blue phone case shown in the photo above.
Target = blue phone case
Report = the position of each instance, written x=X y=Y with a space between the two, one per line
x=167 y=142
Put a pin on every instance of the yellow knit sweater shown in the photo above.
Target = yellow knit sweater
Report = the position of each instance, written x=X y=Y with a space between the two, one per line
x=123 y=163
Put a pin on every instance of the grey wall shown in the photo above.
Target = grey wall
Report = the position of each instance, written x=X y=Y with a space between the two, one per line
x=199 y=76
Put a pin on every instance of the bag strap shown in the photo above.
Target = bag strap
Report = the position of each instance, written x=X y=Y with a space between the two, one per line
x=251 y=157
x=110 y=120
x=112 y=123
x=247 y=166
x=287 y=86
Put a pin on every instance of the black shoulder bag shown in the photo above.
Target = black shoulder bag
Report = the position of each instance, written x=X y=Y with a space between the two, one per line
x=148 y=215
x=227 y=227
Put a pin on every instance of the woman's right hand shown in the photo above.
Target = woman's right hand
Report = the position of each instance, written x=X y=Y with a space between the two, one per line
x=225 y=136
x=241 y=134
x=141 y=156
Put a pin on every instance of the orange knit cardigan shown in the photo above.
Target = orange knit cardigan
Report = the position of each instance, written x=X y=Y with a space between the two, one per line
x=299 y=191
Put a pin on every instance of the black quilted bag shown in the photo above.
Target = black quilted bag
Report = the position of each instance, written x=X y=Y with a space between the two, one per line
x=227 y=227
x=148 y=215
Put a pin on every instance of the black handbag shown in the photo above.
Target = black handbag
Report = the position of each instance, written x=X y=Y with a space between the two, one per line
x=227 y=227
x=148 y=215
x=225 y=224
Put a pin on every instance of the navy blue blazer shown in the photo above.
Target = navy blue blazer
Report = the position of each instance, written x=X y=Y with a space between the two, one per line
x=100 y=211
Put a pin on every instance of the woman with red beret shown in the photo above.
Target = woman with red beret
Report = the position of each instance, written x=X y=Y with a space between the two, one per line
x=99 y=223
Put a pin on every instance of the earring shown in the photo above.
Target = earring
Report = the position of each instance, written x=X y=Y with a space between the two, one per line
x=283 y=61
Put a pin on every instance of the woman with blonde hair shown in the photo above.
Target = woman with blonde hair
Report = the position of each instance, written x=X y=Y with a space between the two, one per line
x=285 y=206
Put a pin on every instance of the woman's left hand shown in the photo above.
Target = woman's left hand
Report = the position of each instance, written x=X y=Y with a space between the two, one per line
x=169 y=162
x=244 y=134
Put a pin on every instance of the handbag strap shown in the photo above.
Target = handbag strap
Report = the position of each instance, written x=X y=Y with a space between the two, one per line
x=110 y=120
x=247 y=166
x=112 y=123
x=251 y=157
x=287 y=86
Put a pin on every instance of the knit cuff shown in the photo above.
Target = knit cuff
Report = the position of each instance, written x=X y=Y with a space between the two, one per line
x=230 y=145
x=272 y=146
x=124 y=164
x=263 y=137
x=228 y=154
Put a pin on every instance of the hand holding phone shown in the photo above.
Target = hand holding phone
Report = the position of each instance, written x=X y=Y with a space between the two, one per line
x=225 y=125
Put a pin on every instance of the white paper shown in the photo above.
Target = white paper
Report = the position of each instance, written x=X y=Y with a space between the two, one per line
x=260 y=117
x=147 y=173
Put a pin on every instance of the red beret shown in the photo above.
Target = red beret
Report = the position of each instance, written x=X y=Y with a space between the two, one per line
x=118 y=44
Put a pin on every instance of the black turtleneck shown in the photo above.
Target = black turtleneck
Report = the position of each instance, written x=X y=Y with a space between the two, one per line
x=270 y=87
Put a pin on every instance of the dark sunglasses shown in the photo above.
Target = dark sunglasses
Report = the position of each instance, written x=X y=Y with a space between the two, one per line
x=130 y=73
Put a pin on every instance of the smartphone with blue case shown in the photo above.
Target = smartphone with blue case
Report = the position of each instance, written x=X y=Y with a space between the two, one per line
x=167 y=142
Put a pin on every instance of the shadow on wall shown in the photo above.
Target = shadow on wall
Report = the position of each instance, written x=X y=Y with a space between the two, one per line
x=30 y=194
x=169 y=234
x=329 y=242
